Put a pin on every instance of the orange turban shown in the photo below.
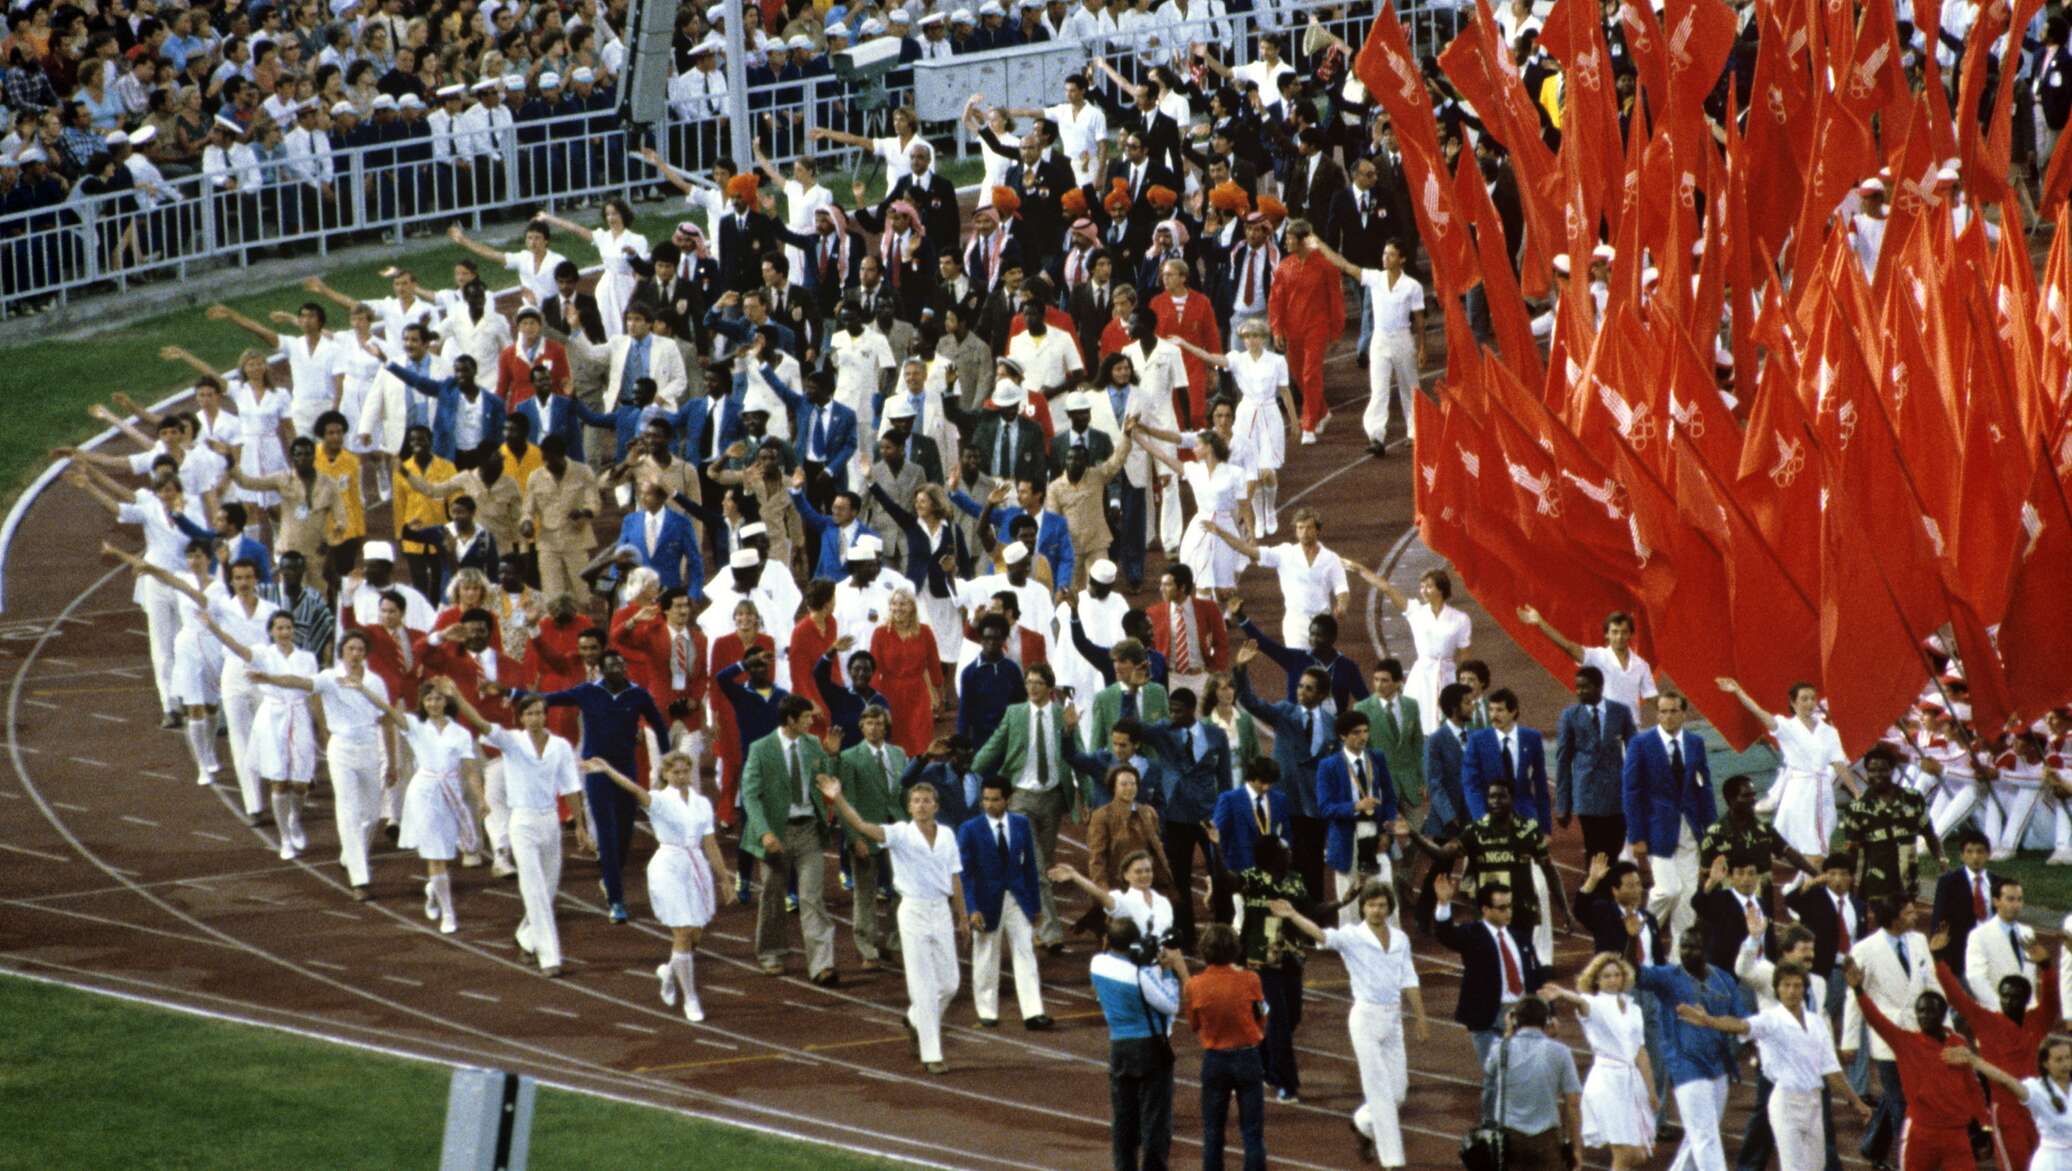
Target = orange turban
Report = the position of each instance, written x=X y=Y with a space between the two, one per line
x=1273 y=209
x=1074 y=202
x=1230 y=198
x=1005 y=201
x=743 y=186
x=1117 y=201
x=1162 y=197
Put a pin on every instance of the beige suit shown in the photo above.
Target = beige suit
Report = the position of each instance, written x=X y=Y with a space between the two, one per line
x=564 y=542
x=1990 y=957
x=1890 y=984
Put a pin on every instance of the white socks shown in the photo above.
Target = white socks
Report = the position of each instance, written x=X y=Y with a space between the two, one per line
x=442 y=893
x=283 y=821
x=296 y=796
x=1268 y=519
x=680 y=967
x=201 y=745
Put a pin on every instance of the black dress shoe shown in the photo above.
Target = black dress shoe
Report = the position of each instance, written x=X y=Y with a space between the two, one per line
x=1366 y=1144
x=1038 y=1023
x=988 y=1022
x=827 y=979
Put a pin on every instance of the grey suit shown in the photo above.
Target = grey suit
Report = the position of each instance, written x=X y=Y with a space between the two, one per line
x=1589 y=752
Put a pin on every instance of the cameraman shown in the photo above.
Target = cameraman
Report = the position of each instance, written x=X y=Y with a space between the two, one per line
x=1138 y=983
x=1541 y=1094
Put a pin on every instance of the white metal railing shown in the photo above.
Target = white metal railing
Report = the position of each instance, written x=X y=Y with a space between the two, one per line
x=395 y=188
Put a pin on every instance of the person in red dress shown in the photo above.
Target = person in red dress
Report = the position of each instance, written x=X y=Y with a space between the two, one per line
x=909 y=674
x=727 y=748
x=1307 y=312
x=812 y=638
x=1184 y=313
x=2009 y=1038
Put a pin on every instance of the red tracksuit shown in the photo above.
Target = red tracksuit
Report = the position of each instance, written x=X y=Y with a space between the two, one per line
x=1307 y=310
x=2012 y=1047
x=1941 y=1098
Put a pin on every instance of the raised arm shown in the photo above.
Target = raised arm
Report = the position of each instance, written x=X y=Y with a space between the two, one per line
x=185 y=357
x=1990 y=1072
x=842 y=136
x=221 y=312
x=462 y=709
x=1317 y=245
x=316 y=285
x=676 y=178
x=149 y=570
x=130 y=430
x=459 y=236
x=1216 y=360
x=600 y=765
x=1733 y=687
x=1396 y=597
x=1286 y=910
x=1691 y=1014
x=555 y=221
x=831 y=791
x=1234 y=540
x=1066 y=872
x=1531 y=617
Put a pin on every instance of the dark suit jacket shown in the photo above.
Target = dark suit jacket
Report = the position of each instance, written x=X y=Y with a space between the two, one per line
x=1297 y=763
x=1312 y=197
x=1234 y=825
x=1029 y=457
x=1142 y=217
x=1600 y=913
x=988 y=878
x=742 y=251
x=1725 y=925
x=1089 y=317
x=1442 y=763
x=800 y=313
x=1482 y=968
x=870 y=301
x=936 y=201
x=1815 y=907
x=1587 y=761
x=1098 y=447
x=1359 y=239
x=1193 y=784
x=1953 y=910
x=968 y=307
x=1335 y=803
x=1043 y=225
x=554 y=313
x=681 y=302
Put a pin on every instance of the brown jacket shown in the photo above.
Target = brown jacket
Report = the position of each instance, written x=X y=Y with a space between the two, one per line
x=1113 y=833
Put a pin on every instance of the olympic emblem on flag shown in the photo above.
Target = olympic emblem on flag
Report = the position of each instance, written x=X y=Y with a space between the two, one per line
x=1791 y=460
x=1585 y=68
x=1865 y=73
x=1630 y=17
x=1777 y=108
x=1994 y=433
x=1680 y=41
x=2032 y=524
x=1439 y=218
x=1845 y=415
x=1572 y=219
x=1687 y=419
x=1469 y=461
x=1636 y=424
x=1545 y=494
x=1687 y=189
x=1641 y=552
x=1934 y=532
x=1405 y=71
x=1611 y=494
x=1916 y=194
x=1431 y=475
x=1900 y=387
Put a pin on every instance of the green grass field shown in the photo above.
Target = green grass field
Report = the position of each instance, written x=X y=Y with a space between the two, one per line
x=94 y=1082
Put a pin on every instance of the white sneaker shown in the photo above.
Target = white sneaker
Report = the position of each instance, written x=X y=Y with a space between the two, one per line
x=668 y=980
x=448 y=925
x=2062 y=856
x=523 y=939
x=1309 y=439
x=205 y=778
x=693 y=1011
x=287 y=850
x=2000 y=855
x=502 y=867
x=1323 y=422
x=301 y=840
x=431 y=902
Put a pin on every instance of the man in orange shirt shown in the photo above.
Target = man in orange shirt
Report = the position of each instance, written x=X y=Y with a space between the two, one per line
x=1307 y=313
x=1227 y=1008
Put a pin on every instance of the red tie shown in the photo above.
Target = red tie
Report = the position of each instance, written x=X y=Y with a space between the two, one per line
x=895 y=262
x=1978 y=898
x=1842 y=931
x=1514 y=984
x=1183 y=663
x=1251 y=255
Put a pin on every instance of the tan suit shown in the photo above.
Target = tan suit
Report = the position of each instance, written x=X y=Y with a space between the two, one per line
x=1084 y=507
x=564 y=542
x=308 y=513
x=1113 y=833
x=498 y=507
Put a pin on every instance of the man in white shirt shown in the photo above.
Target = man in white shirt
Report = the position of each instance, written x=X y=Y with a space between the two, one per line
x=1013 y=883
x=1999 y=947
x=1312 y=577
x=863 y=364
x=362 y=590
x=1049 y=358
x=1082 y=129
x=1397 y=350
x=475 y=328
x=1627 y=677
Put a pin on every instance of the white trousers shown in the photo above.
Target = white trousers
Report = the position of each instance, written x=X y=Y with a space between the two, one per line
x=1676 y=883
x=928 y=948
x=240 y=705
x=1377 y=1033
x=1343 y=882
x=1700 y=1105
x=1952 y=797
x=1543 y=933
x=2005 y=830
x=1170 y=524
x=498 y=820
x=1795 y=1125
x=162 y=625
x=1295 y=624
x=1391 y=375
x=536 y=849
x=356 y=768
x=1016 y=931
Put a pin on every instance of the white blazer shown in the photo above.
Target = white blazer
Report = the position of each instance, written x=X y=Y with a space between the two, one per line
x=385 y=417
x=1990 y=957
x=665 y=366
x=1889 y=984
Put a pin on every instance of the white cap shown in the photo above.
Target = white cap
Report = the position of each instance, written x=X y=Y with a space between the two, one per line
x=34 y=154
x=991 y=8
x=801 y=44
x=550 y=80
x=219 y=124
x=872 y=27
x=116 y=137
x=1103 y=571
x=1009 y=395
x=486 y=84
x=583 y=75
x=384 y=102
x=1561 y=262
x=1872 y=185
x=837 y=29
x=865 y=548
x=1602 y=252
x=901 y=407
x=456 y=90
x=713 y=12
x=745 y=558
x=754 y=528
x=898 y=16
x=712 y=43
x=1015 y=553
x=143 y=134
x=410 y=102
x=378 y=551
x=1078 y=400
x=1947 y=175
x=1722 y=356
x=514 y=81
x=341 y=108
x=933 y=18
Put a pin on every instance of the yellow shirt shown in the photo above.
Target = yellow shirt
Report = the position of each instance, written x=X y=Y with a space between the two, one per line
x=518 y=470
x=344 y=470
x=416 y=510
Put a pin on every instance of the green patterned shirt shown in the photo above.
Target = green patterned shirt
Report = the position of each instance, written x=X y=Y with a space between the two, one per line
x=1883 y=831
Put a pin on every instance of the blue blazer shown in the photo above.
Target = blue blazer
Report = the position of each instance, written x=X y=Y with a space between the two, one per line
x=1483 y=762
x=1233 y=822
x=840 y=442
x=1154 y=787
x=1588 y=762
x=1442 y=768
x=446 y=412
x=950 y=806
x=989 y=879
x=821 y=530
x=568 y=423
x=1297 y=763
x=675 y=557
x=1335 y=803
x=1654 y=805
x=1193 y=785
x=691 y=423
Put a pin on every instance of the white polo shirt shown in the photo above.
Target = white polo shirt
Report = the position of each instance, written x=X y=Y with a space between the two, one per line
x=921 y=870
x=312 y=371
x=1628 y=684
x=1308 y=587
x=532 y=780
x=1393 y=305
x=1378 y=974
x=350 y=716
x=1048 y=362
x=1797 y=1052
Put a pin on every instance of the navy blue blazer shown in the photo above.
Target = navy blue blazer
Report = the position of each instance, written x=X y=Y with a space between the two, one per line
x=1654 y=804
x=950 y=806
x=1297 y=763
x=445 y=392
x=1234 y=822
x=838 y=445
x=692 y=418
x=823 y=533
x=675 y=557
x=568 y=423
x=1193 y=783
x=989 y=878
x=1442 y=766
x=1335 y=803
x=1154 y=786
x=1588 y=762
x=1483 y=762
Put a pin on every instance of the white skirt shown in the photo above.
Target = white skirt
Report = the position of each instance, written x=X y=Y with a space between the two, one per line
x=436 y=820
x=1214 y=563
x=1426 y=679
x=1805 y=810
x=1259 y=421
x=283 y=743
x=194 y=676
x=1615 y=1106
x=941 y=617
x=679 y=884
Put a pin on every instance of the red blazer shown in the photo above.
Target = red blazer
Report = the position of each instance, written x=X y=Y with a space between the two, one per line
x=646 y=646
x=452 y=660
x=385 y=659
x=1210 y=630
x=514 y=377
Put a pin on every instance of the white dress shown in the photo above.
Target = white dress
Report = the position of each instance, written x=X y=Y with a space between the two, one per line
x=1439 y=639
x=283 y=745
x=1153 y=918
x=437 y=822
x=1216 y=497
x=1615 y=1097
x=197 y=656
x=361 y=369
x=679 y=880
x=615 y=283
x=1259 y=381
x=1806 y=783
x=2052 y=1109
x=259 y=437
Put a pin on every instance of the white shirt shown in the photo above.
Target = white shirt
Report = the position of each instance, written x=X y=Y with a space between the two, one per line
x=1079 y=135
x=438 y=750
x=418 y=613
x=532 y=780
x=1048 y=362
x=1150 y=910
x=165 y=546
x=1797 y=1052
x=1393 y=304
x=244 y=629
x=539 y=277
x=858 y=360
x=1378 y=974
x=2053 y=1119
x=1042 y=722
x=312 y=370
x=201 y=470
x=1307 y=587
x=1630 y=683
x=921 y=870
x=350 y=716
x=861 y=609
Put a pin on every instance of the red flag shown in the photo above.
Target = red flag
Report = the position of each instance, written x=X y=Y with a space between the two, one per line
x=1700 y=36
x=2036 y=633
x=1508 y=320
x=1574 y=36
x=1985 y=676
x=1643 y=36
x=1780 y=107
x=1779 y=476
x=1995 y=475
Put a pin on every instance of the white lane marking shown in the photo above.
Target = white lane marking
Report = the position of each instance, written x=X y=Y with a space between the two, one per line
x=327 y=964
x=550 y=1010
x=88 y=761
x=70 y=808
x=44 y=704
x=484 y=997
x=633 y=1028
x=107 y=717
x=146 y=822
x=405 y=981
x=34 y=853
x=342 y=915
x=214 y=837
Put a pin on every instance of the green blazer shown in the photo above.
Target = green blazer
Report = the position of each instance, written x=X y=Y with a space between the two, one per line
x=1151 y=708
x=1244 y=746
x=766 y=788
x=1403 y=749
x=1006 y=751
x=876 y=796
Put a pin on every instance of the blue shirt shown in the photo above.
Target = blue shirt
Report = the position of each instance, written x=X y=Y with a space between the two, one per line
x=1689 y=1053
x=1139 y=1003
x=845 y=705
x=611 y=723
x=636 y=363
x=755 y=714
x=985 y=690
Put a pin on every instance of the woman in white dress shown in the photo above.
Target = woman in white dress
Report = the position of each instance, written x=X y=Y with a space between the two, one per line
x=197 y=664
x=2049 y=1099
x=283 y=741
x=803 y=195
x=1438 y=631
x=363 y=359
x=438 y=821
x=624 y=253
x=1150 y=910
x=687 y=871
x=1812 y=751
x=1262 y=377
x=263 y=427
x=1221 y=495
x=1619 y=1101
